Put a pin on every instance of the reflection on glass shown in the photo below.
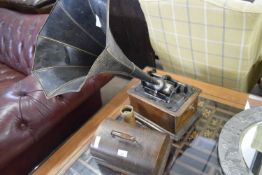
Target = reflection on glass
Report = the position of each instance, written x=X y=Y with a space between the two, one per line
x=251 y=147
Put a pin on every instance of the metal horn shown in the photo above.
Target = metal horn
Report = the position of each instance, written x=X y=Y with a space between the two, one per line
x=75 y=44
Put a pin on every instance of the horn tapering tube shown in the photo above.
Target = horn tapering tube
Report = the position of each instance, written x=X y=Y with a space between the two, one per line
x=138 y=73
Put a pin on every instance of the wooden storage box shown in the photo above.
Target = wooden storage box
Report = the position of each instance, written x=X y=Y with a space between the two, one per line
x=129 y=149
x=174 y=122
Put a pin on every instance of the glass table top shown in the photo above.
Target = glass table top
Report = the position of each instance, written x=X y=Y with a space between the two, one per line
x=196 y=153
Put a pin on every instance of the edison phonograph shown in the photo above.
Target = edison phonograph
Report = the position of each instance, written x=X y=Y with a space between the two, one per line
x=170 y=106
x=75 y=44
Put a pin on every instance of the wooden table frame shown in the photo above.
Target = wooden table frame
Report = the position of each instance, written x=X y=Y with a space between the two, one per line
x=76 y=144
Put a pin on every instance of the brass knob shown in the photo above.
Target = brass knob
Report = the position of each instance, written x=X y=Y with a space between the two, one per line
x=127 y=112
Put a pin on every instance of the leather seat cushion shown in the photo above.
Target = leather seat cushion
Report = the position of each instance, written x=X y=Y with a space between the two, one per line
x=28 y=5
x=8 y=76
x=26 y=115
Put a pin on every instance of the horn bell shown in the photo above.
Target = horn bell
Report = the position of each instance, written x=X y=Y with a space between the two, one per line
x=75 y=44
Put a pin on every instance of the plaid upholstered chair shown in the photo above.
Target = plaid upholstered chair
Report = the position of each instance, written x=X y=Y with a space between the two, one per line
x=219 y=42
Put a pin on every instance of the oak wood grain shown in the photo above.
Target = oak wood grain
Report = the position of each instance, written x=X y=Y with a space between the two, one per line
x=74 y=146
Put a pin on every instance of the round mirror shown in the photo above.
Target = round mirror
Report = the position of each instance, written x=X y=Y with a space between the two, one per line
x=240 y=144
x=251 y=147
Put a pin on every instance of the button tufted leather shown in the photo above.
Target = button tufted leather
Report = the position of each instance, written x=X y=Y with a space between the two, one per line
x=22 y=125
x=26 y=3
x=18 y=33
x=26 y=115
x=31 y=126
x=8 y=76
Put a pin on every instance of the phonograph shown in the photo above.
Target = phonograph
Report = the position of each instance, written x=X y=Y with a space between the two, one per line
x=76 y=43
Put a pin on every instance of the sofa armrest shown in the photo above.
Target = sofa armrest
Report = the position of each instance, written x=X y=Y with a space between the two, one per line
x=26 y=115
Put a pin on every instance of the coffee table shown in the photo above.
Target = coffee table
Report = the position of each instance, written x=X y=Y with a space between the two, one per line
x=214 y=99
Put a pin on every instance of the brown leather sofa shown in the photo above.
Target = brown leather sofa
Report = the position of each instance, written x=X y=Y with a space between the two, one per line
x=31 y=126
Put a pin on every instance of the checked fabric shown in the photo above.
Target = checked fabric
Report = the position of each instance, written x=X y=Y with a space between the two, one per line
x=218 y=42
